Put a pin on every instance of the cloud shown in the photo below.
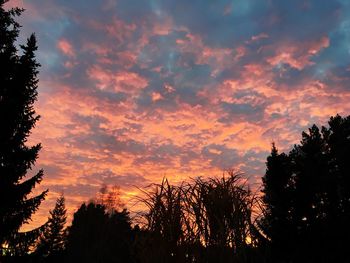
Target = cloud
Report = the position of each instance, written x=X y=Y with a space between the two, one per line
x=221 y=156
x=132 y=91
x=66 y=48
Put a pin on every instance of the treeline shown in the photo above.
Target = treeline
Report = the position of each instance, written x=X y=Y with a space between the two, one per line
x=300 y=214
x=205 y=220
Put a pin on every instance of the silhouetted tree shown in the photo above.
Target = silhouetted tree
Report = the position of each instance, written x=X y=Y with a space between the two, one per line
x=338 y=186
x=306 y=194
x=18 y=92
x=97 y=236
x=278 y=188
x=52 y=242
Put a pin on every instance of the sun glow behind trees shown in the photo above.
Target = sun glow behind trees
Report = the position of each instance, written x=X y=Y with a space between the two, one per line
x=305 y=204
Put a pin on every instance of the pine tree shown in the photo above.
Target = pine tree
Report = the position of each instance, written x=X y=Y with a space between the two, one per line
x=18 y=92
x=52 y=241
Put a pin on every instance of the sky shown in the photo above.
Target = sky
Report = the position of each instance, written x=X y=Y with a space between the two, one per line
x=132 y=91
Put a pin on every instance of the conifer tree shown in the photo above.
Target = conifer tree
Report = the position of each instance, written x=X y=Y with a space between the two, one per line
x=18 y=92
x=52 y=241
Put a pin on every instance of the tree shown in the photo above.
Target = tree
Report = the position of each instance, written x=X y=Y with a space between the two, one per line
x=98 y=236
x=18 y=92
x=306 y=196
x=109 y=197
x=52 y=242
x=277 y=190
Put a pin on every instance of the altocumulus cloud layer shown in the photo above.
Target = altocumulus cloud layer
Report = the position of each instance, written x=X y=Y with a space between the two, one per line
x=131 y=91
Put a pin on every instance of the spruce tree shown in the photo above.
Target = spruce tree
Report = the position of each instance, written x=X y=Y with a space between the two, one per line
x=52 y=241
x=18 y=92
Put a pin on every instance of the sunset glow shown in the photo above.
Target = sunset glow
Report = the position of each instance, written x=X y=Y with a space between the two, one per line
x=134 y=91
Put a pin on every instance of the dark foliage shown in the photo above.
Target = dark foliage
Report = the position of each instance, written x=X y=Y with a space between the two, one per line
x=307 y=196
x=277 y=223
x=51 y=244
x=18 y=92
x=98 y=236
x=202 y=221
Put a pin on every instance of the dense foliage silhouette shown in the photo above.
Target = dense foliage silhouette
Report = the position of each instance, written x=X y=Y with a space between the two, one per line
x=99 y=236
x=205 y=220
x=51 y=244
x=18 y=92
x=306 y=195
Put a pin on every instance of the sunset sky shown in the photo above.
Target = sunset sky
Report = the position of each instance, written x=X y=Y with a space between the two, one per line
x=131 y=91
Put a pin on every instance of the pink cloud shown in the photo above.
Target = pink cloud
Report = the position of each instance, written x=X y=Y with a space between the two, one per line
x=119 y=29
x=125 y=81
x=66 y=48
x=156 y=96
x=108 y=134
x=297 y=54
